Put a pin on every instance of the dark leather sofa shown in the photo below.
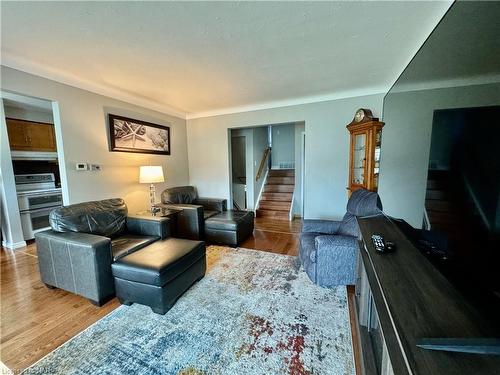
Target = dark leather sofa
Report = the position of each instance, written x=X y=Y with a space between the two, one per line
x=85 y=239
x=194 y=210
x=207 y=218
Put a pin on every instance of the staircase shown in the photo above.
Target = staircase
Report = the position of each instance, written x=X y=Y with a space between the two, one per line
x=276 y=200
x=451 y=211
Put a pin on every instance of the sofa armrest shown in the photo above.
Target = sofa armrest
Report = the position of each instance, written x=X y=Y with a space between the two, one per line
x=149 y=226
x=212 y=204
x=336 y=258
x=320 y=226
x=190 y=223
x=77 y=262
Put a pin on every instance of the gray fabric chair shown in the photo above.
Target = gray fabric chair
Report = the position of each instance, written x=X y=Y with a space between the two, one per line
x=76 y=254
x=329 y=249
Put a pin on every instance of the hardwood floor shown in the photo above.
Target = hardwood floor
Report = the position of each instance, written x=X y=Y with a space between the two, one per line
x=36 y=320
x=276 y=236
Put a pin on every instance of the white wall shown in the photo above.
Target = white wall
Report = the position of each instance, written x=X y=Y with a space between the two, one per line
x=28 y=114
x=283 y=144
x=327 y=149
x=84 y=138
x=406 y=141
x=297 y=200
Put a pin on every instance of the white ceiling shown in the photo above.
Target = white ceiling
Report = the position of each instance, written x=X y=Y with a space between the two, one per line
x=200 y=58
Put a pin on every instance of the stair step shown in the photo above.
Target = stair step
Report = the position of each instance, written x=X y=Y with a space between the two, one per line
x=436 y=194
x=282 y=173
x=279 y=188
x=437 y=184
x=438 y=205
x=274 y=205
x=438 y=175
x=276 y=202
x=287 y=197
x=281 y=180
x=273 y=214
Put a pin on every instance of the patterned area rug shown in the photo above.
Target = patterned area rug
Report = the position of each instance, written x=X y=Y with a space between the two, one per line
x=253 y=313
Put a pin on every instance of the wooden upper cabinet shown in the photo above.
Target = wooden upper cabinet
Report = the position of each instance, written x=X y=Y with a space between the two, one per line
x=364 y=156
x=31 y=136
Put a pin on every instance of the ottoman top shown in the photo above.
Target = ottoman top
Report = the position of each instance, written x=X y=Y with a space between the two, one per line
x=229 y=220
x=160 y=262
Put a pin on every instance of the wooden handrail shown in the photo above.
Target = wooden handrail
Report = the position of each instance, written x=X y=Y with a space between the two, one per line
x=265 y=154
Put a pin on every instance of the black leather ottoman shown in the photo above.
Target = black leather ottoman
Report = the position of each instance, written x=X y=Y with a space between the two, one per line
x=229 y=227
x=157 y=275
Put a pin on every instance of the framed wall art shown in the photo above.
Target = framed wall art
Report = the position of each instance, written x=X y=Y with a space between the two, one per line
x=129 y=135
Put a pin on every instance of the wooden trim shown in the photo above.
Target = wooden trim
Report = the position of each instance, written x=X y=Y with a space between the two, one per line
x=356 y=339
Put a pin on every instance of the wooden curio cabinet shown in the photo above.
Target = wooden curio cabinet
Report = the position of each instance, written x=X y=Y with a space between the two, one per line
x=364 y=157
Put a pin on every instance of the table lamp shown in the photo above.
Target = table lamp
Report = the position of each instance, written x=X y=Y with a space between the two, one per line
x=151 y=174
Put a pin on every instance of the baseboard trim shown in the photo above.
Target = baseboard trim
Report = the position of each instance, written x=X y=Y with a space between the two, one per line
x=13 y=246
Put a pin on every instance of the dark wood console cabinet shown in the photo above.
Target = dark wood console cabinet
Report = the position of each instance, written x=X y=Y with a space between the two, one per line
x=401 y=298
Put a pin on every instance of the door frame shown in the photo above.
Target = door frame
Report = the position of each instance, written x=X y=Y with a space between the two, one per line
x=302 y=173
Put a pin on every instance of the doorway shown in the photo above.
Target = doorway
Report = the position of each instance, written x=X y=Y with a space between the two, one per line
x=267 y=169
x=239 y=172
x=33 y=175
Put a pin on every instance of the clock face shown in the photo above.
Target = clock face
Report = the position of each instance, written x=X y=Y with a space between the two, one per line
x=360 y=115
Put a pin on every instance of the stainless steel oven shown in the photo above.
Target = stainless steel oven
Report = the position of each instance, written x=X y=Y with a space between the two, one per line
x=34 y=221
x=36 y=200
x=37 y=196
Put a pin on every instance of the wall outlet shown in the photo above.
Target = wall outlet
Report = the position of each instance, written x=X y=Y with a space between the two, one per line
x=81 y=166
x=95 y=167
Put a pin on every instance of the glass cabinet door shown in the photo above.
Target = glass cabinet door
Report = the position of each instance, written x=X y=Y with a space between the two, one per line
x=359 y=159
x=376 y=159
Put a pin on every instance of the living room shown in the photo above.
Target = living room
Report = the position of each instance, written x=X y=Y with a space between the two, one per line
x=136 y=270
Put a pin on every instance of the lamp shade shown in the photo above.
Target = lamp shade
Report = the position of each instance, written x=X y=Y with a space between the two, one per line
x=151 y=174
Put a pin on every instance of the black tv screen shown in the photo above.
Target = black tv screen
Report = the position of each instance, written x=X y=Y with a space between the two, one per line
x=440 y=160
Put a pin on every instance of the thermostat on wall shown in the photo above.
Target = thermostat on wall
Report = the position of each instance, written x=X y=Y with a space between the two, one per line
x=81 y=166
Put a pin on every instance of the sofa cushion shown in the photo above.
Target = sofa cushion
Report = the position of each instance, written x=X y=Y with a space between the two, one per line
x=349 y=226
x=207 y=214
x=229 y=220
x=179 y=195
x=128 y=243
x=104 y=218
x=364 y=203
x=159 y=262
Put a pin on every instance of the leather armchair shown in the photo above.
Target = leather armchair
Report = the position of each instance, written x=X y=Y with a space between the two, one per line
x=85 y=239
x=329 y=249
x=195 y=210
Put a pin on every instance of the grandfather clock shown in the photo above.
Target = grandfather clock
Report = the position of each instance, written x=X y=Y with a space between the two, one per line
x=364 y=156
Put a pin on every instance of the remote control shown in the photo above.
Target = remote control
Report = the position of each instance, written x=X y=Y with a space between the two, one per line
x=382 y=246
x=378 y=242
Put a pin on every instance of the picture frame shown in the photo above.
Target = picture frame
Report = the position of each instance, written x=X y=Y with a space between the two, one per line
x=130 y=135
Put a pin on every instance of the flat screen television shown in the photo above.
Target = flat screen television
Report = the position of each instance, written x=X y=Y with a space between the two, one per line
x=440 y=162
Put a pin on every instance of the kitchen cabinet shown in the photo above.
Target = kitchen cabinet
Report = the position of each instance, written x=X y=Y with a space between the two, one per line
x=31 y=136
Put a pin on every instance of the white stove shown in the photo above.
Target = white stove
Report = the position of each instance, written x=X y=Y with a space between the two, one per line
x=37 y=196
